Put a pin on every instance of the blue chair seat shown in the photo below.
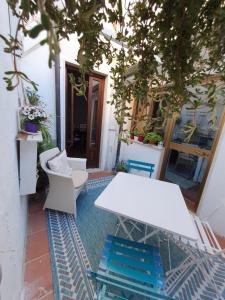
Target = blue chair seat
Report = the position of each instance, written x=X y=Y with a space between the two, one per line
x=130 y=268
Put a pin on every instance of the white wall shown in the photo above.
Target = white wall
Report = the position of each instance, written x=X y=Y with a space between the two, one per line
x=68 y=53
x=212 y=204
x=34 y=63
x=13 y=208
x=143 y=152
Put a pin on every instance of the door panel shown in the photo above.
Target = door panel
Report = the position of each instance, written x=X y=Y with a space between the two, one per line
x=187 y=161
x=204 y=134
x=84 y=117
x=76 y=118
x=188 y=171
x=69 y=115
x=95 y=101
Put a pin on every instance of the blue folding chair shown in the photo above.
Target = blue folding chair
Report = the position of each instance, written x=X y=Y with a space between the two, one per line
x=141 y=166
x=129 y=270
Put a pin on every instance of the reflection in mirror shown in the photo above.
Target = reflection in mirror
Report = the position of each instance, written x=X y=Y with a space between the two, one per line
x=198 y=126
x=94 y=110
x=187 y=171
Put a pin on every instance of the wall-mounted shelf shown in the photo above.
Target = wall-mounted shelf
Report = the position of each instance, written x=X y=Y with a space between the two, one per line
x=28 y=162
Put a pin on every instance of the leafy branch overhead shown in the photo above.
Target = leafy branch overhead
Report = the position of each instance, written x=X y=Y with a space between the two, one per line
x=58 y=21
x=169 y=45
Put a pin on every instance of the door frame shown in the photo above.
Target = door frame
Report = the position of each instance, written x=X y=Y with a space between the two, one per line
x=189 y=149
x=99 y=75
x=99 y=113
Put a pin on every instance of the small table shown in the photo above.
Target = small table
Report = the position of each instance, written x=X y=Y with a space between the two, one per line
x=152 y=202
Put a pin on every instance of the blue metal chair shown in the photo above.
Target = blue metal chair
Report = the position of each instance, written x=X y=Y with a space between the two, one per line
x=129 y=270
x=141 y=166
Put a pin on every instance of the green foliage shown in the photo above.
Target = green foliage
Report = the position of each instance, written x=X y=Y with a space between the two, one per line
x=170 y=43
x=121 y=167
x=153 y=137
x=122 y=96
x=12 y=78
x=83 y=17
x=165 y=44
x=188 y=129
x=47 y=142
x=32 y=96
x=135 y=132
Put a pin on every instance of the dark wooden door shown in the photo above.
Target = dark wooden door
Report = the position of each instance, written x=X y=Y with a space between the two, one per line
x=94 y=124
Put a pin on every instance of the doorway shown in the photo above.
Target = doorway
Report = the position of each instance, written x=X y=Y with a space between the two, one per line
x=187 y=163
x=84 y=117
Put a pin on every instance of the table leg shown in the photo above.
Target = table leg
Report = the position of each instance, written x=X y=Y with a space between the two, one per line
x=181 y=267
x=125 y=228
x=148 y=236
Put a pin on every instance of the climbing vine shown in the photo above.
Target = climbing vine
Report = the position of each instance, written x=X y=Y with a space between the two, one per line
x=181 y=35
x=166 y=44
x=58 y=20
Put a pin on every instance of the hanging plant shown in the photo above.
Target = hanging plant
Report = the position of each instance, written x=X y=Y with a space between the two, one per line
x=58 y=21
x=169 y=45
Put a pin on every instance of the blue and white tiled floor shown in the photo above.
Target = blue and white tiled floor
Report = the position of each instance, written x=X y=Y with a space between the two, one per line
x=38 y=276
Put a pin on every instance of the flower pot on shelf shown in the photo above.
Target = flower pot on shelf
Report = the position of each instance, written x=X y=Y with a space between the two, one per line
x=152 y=138
x=31 y=127
x=33 y=116
x=136 y=138
x=140 y=138
x=160 y=144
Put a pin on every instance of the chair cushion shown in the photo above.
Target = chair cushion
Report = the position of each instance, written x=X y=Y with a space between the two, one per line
x=79 y=178
x=59 y=164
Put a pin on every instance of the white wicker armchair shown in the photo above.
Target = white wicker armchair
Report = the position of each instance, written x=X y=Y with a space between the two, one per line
x=64 y=189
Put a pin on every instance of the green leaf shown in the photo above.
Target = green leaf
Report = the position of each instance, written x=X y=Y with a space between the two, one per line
x=25 y=5
x=34 y=32
x=35 y=85
x=10 y=72
x=45 y=20
x=43 y=42
x=5 y=40
x=22 y=75
x=70 y=5
x=10 y=88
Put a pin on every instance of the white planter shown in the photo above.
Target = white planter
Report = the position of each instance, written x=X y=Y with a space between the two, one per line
x=136 y=138
x=143 y=152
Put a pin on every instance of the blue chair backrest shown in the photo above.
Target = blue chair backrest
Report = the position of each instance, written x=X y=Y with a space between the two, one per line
x=141 y=166
x=130 y=270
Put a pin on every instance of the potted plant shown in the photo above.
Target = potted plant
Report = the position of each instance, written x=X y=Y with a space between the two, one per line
x=152 y=138
x=121 y=167
x=141 y=137
x=32 y=117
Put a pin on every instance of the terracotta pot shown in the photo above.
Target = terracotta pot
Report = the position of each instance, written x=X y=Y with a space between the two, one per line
x=152 y=142
x=140 y=138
